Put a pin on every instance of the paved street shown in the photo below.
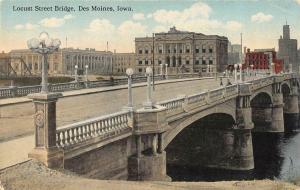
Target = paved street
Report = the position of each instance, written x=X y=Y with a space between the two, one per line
x=16 y=121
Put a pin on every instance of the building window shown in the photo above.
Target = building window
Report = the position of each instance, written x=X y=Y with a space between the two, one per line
x=146 y=62
x=169 y=51
x=160 y=51
x=210 y=50
x=187 y=50
x=197 y=50
x=197 y=62
x=180 y=51
x=159 y=62
x=203 y=62
x=203 y=50
x=146 y=51
x=140 y=70
x=174 y=50
x=210 y=62
x=187 y=62
x=140 y=62
x=140 y=51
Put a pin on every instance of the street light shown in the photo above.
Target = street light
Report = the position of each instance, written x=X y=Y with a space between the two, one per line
x=86 y=75
x=252 y=69
x=76 y=73
x=166 y=71
x=241 y=77
x=148 y=103
x=129 y=73
x=235 y=72
x=44 y=45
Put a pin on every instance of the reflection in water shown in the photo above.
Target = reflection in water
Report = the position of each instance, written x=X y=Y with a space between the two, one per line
x=276 y=155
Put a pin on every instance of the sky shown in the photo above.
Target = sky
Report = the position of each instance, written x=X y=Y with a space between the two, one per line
x=260 y=21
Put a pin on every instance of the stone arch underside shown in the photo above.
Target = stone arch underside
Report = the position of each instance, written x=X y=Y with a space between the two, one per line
x=227 y=108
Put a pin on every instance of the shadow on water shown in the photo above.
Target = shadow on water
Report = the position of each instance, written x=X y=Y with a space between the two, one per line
x=276 y=155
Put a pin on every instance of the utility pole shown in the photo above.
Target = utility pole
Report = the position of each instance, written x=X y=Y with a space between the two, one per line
x=153 y=62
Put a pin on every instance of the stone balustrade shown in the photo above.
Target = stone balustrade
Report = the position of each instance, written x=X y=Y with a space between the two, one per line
x=104 y=127
x=15 y=91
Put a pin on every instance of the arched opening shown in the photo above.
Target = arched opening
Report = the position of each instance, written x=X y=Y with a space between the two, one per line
x=261 y=106
x=209 y=143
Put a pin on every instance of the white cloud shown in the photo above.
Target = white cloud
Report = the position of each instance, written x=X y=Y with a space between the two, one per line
x=27 y=26
x=297 y=1
x=101 y=25
x=55 y=22
x=197 y=10
x=261 y=17
x=233 y=25
x=138 y=16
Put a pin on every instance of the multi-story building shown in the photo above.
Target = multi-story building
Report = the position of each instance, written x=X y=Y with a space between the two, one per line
x=181 y=52
x=122 y=61
x=287 y=49
x=64 y=60
x=262 y=58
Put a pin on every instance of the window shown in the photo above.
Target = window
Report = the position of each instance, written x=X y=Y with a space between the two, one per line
x=160 y=51
x=210 y=62
x=169 y=51
x=203 y=50
x=140 y=70
x=187 y=62
x=140 y=51
x=180 y=51
x=174 y=50
x=187 y=50
x=140 y=62
x=203 y=62
x=146 y=62
x=197 y=62
x=197 y=50
x=210 y=50
x=146 y=51
x=159 y=62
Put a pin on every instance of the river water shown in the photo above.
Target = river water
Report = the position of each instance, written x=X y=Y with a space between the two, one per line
x=276 y=156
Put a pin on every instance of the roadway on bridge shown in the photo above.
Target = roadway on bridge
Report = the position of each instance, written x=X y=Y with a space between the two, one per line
x=17 y=122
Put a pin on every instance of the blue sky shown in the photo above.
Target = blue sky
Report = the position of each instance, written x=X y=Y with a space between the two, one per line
x=260 y=21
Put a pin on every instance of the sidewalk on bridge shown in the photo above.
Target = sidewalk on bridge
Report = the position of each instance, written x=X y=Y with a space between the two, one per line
x=15 y=151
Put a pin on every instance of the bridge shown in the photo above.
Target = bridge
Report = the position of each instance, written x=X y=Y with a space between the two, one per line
x=133 y=143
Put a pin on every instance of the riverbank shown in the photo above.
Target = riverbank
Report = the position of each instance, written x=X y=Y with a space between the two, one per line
x=32 y=175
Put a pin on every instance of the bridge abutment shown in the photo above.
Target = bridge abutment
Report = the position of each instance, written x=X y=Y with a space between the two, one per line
x=45 y=149
x=277 y=121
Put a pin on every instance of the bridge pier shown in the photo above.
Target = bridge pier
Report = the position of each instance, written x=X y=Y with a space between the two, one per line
x=149 y=162
x=277 y=121
x=291 y=110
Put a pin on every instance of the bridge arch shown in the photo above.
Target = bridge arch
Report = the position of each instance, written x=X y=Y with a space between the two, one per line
x=181 y=124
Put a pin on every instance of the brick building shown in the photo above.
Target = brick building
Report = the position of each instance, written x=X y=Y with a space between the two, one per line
x=262 y=58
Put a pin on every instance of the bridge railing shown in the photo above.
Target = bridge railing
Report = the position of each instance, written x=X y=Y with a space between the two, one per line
x=14 y=91
x=101 y=127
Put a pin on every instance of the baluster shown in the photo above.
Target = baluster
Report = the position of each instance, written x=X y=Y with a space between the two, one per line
x=57 y=139
x=67 y=137
x=81 y=133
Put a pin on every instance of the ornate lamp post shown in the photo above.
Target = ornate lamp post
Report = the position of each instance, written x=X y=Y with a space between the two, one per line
x=235 y=72
x=44 y=45
x=272 y=68
x=129 y=73
x=86 y=75
x=241 y=72
x=45 y=149
x=166 y=71
x=148 y=103
x=76 y=73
